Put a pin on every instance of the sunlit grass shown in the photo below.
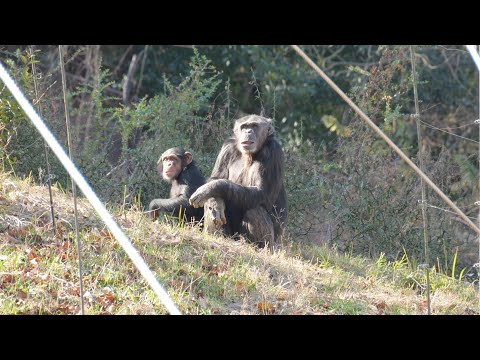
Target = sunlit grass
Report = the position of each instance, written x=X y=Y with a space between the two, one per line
x=203 y=274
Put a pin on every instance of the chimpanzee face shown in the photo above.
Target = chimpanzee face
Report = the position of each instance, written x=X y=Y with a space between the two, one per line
x=172 y=162
x=172 y=167
x=251 y=133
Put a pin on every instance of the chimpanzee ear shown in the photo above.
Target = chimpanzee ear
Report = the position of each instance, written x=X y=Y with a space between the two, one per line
x=270 y=130
x=188 y=158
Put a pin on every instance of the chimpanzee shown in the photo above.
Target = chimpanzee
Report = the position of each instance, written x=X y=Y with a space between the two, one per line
x=247 y=181
x=177 y=167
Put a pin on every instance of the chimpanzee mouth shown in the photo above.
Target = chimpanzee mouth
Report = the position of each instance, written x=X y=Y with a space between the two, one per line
x=247 y=143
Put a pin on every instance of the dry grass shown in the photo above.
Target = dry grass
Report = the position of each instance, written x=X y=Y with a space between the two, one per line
x=202 y=273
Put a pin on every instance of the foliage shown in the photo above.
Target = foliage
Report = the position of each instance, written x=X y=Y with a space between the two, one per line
x=12 y=118
x=374 y=197
x=178 y=117
x=344 y=186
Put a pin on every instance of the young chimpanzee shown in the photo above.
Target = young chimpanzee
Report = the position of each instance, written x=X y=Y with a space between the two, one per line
x=246 y=193
x=177 y=167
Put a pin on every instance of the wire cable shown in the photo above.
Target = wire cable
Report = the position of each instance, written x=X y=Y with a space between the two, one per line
x=88 y=192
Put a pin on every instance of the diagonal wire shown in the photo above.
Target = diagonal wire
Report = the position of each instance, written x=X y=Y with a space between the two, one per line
x=380 y=133
x=448 y=211
x=458 y=127
x=88 y=192
x=439 y=129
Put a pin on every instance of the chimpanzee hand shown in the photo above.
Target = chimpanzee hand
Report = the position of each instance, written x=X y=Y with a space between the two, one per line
x=214 y=210
x=201 y=195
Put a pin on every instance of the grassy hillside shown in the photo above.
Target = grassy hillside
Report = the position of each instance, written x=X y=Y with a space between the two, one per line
x=203 y=274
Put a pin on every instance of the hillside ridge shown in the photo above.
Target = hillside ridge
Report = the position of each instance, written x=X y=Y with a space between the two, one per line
x=203 y=274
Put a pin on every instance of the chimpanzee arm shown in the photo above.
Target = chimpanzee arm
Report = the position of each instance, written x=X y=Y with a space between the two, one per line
x=172 y=204
x=188 y=181
x=268 y=182
x=220 y=169
x=244 y=197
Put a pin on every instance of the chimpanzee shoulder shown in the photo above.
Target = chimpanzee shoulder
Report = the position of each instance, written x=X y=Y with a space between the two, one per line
x=192 y=177
x=270 y=149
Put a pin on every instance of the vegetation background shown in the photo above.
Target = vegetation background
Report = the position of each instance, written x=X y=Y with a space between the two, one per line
x=346 y=189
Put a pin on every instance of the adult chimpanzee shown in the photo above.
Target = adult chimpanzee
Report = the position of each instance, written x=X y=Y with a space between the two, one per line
x=177 y=167
x=247 y=181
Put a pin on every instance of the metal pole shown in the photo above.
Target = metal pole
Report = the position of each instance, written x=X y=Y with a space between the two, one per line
x=426 y=233
x=45 y=146
x=74 y=186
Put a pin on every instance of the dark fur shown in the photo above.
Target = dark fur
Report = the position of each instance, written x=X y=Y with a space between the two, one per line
x=189 y=180
x=252 y=188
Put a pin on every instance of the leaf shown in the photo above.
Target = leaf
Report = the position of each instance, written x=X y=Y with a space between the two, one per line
x=32 y=257
x=105 y=299
x=380 y=305
x=66 y=309
x=265 y=307
x=21 y=294
x=107 y=234
x=239 y=287
x=26 y=74
x=454 y=264
x=65 y=245
x=26 y=272
x=17 y=233
x=74 y=290
x=7 y=278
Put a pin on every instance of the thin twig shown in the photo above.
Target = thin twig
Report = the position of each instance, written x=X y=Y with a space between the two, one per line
x=141 y=70
x=127 y=79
